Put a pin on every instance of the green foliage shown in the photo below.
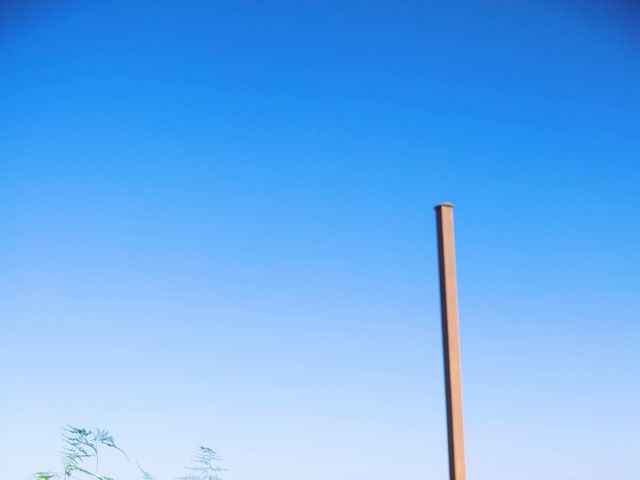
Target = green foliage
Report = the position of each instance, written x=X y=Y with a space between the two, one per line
x=145 y=475
x=82 y=445
x=81 y=458
x=204 y=465
x=46 y=475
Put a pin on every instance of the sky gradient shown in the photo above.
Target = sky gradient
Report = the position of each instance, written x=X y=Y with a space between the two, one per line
x=216 y=228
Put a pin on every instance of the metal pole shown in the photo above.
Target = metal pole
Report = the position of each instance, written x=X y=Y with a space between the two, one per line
x=451 y=340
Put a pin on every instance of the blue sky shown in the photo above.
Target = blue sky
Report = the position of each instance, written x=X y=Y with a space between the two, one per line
x=216 y=227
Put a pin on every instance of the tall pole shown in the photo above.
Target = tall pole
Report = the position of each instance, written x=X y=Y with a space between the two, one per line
x=451 y=340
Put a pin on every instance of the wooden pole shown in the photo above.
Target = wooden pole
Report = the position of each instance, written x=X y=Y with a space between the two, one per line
x=451 y=340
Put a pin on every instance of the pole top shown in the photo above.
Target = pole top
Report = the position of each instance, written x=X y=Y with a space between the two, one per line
x=444 y=204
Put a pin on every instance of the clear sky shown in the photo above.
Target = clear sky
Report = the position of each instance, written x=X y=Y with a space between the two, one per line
x=216 y=227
